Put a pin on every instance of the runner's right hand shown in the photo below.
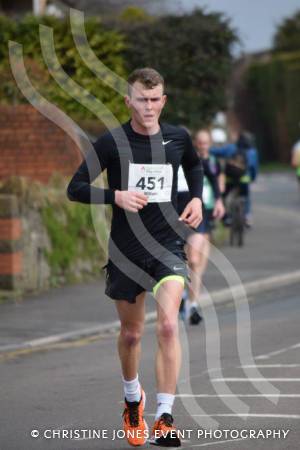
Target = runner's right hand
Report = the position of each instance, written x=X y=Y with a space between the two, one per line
x=130 y=200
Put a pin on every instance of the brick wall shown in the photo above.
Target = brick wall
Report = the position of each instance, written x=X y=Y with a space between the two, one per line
x=10 y=243
x=33 y=146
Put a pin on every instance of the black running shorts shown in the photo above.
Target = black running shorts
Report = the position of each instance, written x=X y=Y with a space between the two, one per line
x=128 y=281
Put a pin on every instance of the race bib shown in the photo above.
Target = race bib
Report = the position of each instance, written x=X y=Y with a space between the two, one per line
x=207 y=194
x=154 y=180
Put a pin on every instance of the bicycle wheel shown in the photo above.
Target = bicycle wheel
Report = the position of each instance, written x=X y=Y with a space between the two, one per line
x=241 y=221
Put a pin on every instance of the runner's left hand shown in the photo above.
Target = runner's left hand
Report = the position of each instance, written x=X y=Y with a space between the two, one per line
x=192 y=214
x=219 y=209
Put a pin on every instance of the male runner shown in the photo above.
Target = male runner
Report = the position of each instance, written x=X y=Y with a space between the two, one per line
x=142 y=158
x=198 y=243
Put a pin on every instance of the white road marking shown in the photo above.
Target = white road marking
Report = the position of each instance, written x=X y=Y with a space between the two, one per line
x=213 y=369
x=261 y=366
x=217 y=442
x=274 y=416
x=239 y=395
x=256 y=379
x=277 y=352
x=82 y=439
x=232 y=396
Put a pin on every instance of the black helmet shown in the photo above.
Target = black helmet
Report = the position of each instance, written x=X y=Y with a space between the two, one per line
x=245 y=140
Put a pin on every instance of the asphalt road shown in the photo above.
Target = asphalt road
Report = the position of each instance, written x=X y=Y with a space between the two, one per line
x=78 y=385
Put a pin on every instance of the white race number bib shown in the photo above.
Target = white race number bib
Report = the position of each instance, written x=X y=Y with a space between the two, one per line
x=207 y=194
x=154 y=180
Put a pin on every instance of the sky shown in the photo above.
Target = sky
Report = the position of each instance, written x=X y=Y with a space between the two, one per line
x=255 y=20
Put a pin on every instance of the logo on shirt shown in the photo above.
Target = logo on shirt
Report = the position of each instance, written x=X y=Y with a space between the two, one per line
x=177 y=268
x=166 y=142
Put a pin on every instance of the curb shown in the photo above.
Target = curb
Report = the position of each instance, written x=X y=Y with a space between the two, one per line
x=253 y=287
x=233 y=293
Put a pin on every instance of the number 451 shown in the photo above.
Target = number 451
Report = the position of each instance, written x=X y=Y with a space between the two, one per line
x=150 y=183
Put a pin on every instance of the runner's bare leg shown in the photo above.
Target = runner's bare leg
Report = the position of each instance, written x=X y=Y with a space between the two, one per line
x=132 y=317
x=168 y=357
x=198 y=249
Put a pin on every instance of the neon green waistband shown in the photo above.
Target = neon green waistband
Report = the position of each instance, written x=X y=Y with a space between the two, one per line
x=245 y=179
x=179 y=278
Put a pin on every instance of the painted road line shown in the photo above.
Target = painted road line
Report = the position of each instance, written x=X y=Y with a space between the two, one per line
x=277 y=352
x=270 y=416
x=216 y=442
x=256 y=379
x=266 y=366
x=238 y=395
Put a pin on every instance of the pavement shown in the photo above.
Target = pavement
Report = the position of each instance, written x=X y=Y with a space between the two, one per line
x=270 y=258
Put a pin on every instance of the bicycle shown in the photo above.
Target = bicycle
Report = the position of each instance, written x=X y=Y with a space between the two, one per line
x=235 y=206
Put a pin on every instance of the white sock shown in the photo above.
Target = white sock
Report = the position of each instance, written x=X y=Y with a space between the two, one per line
x=193 y=304
x=164 y=404
x=132 y=389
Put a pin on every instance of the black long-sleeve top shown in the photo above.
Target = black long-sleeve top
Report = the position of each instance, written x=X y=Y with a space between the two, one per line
x=114 y=151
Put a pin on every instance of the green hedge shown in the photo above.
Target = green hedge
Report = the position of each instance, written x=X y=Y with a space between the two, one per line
x=287 y=36
x=192 y=51
x=108 y=46
x=274 y=104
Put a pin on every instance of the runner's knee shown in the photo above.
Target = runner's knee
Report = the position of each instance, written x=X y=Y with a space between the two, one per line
x=167 y=329
x=195 y=259
x=131 y=336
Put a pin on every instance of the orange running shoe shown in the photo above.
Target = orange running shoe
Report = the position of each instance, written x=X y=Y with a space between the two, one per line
x=134 y=424
x=164 y=433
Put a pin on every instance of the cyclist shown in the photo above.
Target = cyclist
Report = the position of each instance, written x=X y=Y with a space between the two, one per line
x=142 y=157
x=241 y=168
x=198 y=242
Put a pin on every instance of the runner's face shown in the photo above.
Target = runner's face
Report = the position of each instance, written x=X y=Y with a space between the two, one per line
x=146 y=104
x=203 y=143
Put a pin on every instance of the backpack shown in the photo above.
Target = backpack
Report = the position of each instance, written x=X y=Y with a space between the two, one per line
x=236 y=165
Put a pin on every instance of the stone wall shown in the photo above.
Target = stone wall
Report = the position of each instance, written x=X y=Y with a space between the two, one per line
x=23 y=242
x=36 y=272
